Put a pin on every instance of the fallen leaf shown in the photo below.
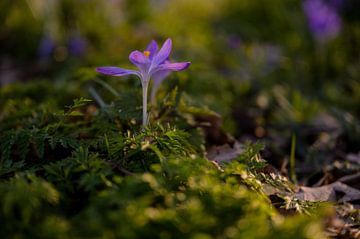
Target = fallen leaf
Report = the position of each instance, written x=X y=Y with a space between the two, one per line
x=352 y=180
x=335 y=192
x=353 y=158
x=224 y=153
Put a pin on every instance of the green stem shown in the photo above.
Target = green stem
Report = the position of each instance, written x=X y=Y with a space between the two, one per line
x=292 y=158
x=107 y=86
x=97 y=97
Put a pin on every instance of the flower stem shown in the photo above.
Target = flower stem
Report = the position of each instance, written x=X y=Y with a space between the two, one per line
x=145 y=93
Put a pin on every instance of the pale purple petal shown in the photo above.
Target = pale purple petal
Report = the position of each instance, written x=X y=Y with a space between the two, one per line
x=163 y=54
x=152 y=48
x=116 y=71
x=159 y=76
x=140 y=60
x=178 y=66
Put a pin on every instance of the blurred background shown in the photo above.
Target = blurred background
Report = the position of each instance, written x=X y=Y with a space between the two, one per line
x=271 y=69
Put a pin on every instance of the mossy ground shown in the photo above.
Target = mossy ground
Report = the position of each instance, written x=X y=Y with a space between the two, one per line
x=276 y=108
x=88 y=172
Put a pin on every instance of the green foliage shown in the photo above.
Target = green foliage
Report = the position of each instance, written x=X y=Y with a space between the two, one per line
x=78 y=103
x=95 y=173
x=82 y=172
x=251 y=156
x=27 y=207
x=71 y=167
x=187 y=198
x=139 y=150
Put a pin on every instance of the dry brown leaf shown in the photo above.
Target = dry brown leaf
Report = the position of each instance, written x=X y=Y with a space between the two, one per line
x=224 y=153
x=335 y=192
x=352 y=180
x=353 y=158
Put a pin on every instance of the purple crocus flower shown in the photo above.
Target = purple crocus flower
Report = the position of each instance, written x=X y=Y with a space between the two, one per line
x=151 y=63
x=46 y=48
x=77 y=45
x=338 y=4
x=324 y=21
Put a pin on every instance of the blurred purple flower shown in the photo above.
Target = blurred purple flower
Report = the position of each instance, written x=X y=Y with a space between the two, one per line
x=151 y=64
x=324 y=21
x=77 y=45
x=234 y=42
x=46 y=48
x=336 y=3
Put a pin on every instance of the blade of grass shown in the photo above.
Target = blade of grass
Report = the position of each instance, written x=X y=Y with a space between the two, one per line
x=292 y=159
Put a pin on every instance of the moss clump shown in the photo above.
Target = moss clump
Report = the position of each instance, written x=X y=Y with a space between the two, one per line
x=85 y=172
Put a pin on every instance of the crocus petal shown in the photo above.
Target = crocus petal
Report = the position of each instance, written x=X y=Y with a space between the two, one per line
x=152 y=48
x=159 y=76
x=116 y=71
x=178 y=66
x=140 y=60
x=163 y=54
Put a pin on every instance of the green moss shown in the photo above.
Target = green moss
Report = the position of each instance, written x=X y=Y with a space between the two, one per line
x=88 y=172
